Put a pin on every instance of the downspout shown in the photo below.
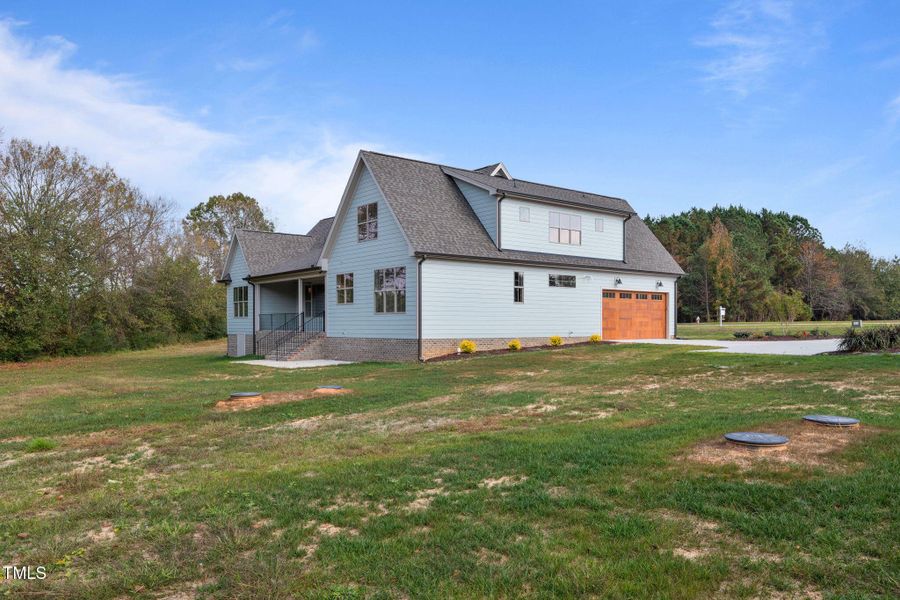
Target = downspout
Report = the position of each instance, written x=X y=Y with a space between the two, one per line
x=499 y=200
x=253 y=313
x=419 y=305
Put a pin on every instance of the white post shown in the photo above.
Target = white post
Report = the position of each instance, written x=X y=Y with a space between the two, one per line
x=721 y=314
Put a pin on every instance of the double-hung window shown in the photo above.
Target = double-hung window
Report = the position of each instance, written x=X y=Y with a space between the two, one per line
x=518 y=287
x=565 y=228
x=390 y=290
x=344 y=286
x=562 y=281
x=241 y=300
x=367 y=222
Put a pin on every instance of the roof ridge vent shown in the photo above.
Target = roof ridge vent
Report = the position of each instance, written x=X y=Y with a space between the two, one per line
x=501 y=171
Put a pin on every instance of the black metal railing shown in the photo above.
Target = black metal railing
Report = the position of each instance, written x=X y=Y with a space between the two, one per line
x=270 y=321
x=276 y=336
x=315 y=322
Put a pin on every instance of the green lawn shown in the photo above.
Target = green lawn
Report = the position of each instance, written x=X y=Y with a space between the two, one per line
x=586 y=471
x=712 y=331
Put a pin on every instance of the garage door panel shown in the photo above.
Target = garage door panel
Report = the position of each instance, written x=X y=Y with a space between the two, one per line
x=629 y=315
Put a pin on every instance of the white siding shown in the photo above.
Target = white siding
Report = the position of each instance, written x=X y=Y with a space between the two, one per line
x=362 y=258
x=238 y=270
x=535 y=234
x=468 y=299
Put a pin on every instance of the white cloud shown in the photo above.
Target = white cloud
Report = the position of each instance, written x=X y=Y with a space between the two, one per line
x=301 y=186
x=752 y=38
x=893 y=111
x=108 y=119
x=102 y=116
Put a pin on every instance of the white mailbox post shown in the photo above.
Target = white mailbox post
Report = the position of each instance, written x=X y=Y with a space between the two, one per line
x=721 y=314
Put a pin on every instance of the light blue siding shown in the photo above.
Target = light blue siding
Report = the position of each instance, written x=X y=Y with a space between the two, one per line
x=471 y=300
x=238 y=270
x=362 y=258
x=279 y=297
x=535 y=234
x=484 y=205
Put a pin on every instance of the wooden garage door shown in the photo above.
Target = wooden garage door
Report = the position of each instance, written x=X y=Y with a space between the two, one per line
x=634 y=315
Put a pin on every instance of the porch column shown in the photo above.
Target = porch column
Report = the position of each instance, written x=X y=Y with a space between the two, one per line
x=299 y=295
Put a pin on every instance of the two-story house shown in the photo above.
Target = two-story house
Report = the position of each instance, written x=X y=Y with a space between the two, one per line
x=420 y=256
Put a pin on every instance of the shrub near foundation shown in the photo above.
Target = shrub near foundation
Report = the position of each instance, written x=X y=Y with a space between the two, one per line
x=514 y=345
x=467 y=346
x=596 y=338
x=556 y=340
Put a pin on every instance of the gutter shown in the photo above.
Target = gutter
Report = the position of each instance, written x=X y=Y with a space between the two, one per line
x=585 y=206
x=419 y=305
x=537 y=263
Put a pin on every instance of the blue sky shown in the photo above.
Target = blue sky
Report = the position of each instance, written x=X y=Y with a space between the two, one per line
x=791 y=106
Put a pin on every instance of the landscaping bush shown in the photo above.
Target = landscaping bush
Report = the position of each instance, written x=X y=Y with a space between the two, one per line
x=871 y=339
x=769 y=333
x=514 y=345
x=467 y=346
x=556 y=340
x=741 y=335
x=596 y=339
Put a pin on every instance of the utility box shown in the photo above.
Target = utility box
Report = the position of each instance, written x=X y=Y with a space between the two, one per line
x=857 y=323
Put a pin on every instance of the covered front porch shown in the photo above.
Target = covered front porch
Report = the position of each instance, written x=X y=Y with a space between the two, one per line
x=295 y=304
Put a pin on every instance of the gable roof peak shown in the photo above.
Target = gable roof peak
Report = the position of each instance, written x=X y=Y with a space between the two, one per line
x=495 y=170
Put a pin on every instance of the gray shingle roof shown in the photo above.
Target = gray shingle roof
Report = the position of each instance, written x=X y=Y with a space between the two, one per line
x=439 y=221
x=270 y=253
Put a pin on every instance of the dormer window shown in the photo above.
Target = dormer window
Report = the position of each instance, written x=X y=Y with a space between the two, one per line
x=367 y=222
x=565 y=228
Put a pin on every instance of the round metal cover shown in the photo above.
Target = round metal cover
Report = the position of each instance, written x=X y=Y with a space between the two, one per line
x=330 y=387
x=832 y=420
x=753 y=438
x=244 y=394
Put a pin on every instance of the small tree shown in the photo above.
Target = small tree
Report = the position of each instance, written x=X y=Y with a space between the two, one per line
x=787 y=308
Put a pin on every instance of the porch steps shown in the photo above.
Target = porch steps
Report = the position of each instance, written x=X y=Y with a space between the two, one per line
x=294 y=345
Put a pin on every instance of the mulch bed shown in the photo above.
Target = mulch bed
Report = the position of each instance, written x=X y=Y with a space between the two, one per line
x=462 y=355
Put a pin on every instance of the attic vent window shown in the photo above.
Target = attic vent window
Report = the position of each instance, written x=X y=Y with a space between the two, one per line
x=500 y=171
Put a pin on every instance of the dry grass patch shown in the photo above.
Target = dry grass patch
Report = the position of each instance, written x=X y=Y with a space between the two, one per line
x=270 y=398
x=810 y=445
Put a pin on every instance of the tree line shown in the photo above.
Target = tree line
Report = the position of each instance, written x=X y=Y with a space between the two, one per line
x=760 y=264
x=89 y=263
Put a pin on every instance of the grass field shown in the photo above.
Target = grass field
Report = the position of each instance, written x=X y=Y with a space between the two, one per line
x=712 y=331
x=587 y=471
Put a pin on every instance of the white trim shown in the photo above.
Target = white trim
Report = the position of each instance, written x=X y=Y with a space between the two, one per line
x=230 y=256
x=343 y=206
x=502 y=170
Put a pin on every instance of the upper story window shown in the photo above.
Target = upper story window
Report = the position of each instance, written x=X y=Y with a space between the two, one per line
x=562 y=281
x=344 y=286
x=367 y=222
x=241 y=299
x=524 y=214
x=565 y=228
x=390 y=290
x=518 y=287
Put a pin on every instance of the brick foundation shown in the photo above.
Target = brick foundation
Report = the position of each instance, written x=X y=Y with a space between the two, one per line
x=233 y=344
x=441 y=347
x=363 y=349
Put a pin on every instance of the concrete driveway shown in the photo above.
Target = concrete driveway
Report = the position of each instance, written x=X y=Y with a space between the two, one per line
x=787 y=348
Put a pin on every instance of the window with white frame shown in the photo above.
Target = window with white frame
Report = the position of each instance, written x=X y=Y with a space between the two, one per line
x=390 y=290
x=562 y=281
x=598 y=224
x=367 y=222
x=518 y=287
x=524 y=214
x=241 y=299
x=565 y=228
x=344 y=286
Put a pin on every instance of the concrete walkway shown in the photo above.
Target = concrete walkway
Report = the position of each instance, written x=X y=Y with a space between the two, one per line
x=787 y=347
x=293 y=364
